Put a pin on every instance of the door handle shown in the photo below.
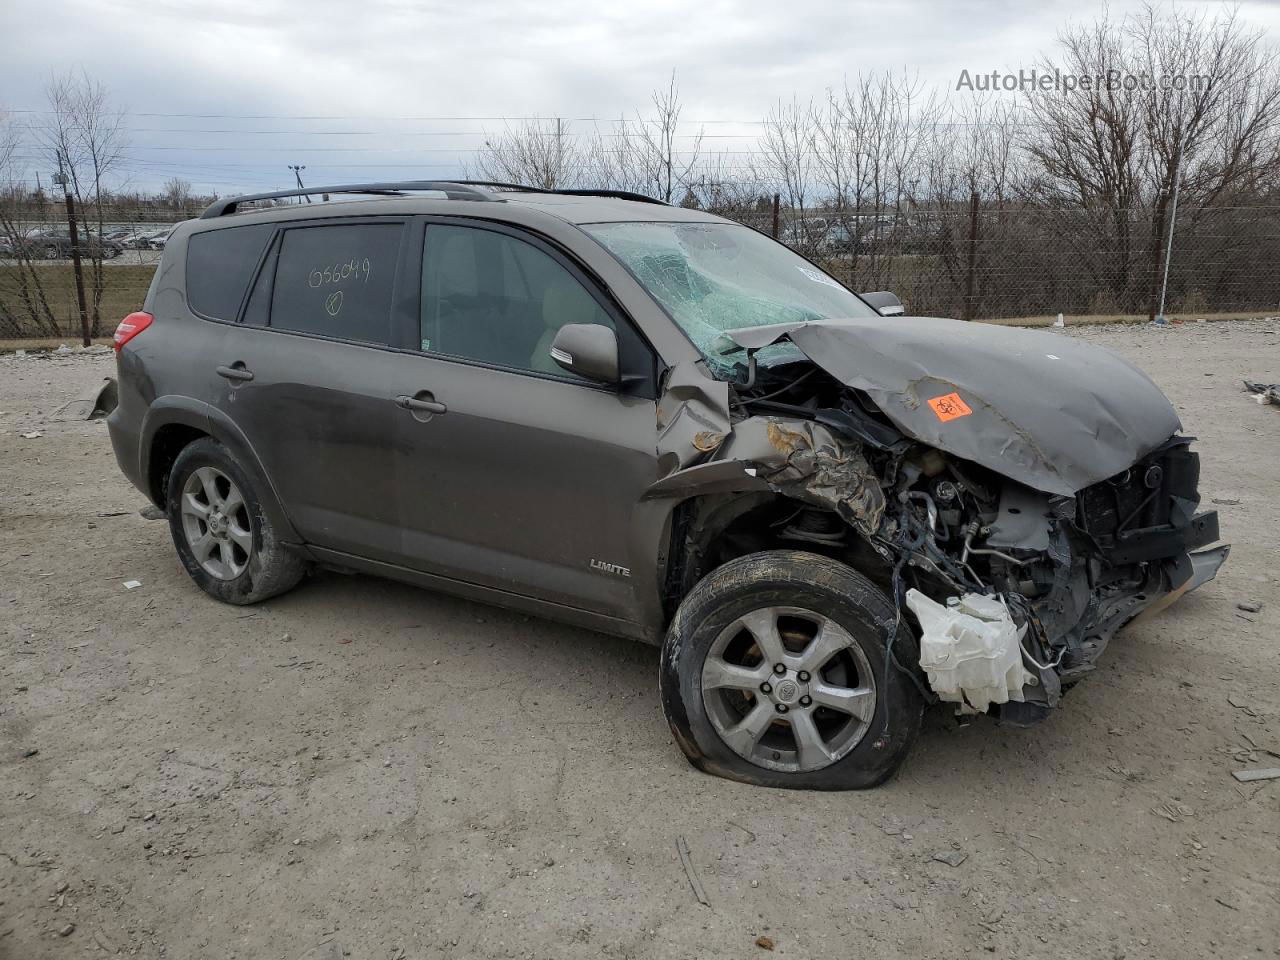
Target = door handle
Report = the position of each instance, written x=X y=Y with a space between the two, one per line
x=237 y=372
x=427 y=406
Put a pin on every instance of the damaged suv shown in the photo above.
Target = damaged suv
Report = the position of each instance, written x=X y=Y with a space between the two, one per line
x=658 y=423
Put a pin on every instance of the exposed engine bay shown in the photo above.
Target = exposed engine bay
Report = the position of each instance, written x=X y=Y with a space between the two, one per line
x=1014 y=547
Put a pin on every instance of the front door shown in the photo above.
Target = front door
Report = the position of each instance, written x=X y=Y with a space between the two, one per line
x=516 y=474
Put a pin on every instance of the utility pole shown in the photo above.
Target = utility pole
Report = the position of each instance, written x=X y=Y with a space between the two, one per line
x=297 y=176
x=65 y=182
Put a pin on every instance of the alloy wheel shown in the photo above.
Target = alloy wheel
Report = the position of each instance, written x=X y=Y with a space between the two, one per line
x=788 y=689
x=215 y=521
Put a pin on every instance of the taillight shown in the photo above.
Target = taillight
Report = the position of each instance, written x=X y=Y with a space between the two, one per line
x=130 y=327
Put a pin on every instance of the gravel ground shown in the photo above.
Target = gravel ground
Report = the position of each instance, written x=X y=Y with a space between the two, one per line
x=363 y=769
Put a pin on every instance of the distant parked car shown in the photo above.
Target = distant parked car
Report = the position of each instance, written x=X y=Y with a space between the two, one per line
x=56 y=245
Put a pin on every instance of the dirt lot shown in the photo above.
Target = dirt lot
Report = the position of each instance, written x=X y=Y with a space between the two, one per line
x=359 y=768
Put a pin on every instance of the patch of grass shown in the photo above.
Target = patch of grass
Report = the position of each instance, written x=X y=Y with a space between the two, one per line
x=126 y=286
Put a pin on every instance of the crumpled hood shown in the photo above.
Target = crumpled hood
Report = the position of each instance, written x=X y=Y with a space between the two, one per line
x=1049 y=411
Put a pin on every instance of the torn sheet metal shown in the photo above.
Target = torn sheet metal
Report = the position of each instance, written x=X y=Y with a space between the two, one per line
x=693 y=416
x=90 y=405
x=1049 y=411
x=805 y=460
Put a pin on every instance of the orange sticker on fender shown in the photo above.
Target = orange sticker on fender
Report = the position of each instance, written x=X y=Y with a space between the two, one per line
x=950 y=407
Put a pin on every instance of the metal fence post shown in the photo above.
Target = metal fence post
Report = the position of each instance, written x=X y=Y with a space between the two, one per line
x=1168 y=251
x=970 y=274
x=775 y=216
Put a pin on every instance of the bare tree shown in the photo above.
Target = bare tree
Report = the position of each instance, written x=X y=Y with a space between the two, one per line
x=535 y=153
x=24 y=304
x=1176 y=100
x=786 y=160
x=642 y=155
x=178 y=193
x=1212 y=134
x=85 y=139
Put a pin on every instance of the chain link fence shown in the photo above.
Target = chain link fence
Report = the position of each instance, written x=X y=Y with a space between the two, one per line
x=970 y=260
x=980 y=261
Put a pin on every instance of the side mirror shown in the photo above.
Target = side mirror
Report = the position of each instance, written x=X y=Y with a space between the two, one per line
x=588 y=349
x=884 y=303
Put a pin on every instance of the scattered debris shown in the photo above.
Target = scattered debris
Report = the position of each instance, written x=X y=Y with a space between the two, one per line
x=32 y=435
x=1172 y=811
x=682 y=848
x=30 y=753
x=1241 y=704
x=1263 y=392
x=68 y=930
x=1249 y=606
x=132 y=584
x=952 y=858
x=1264 y=773
x=764 y=943
x=1226 y=501
x=151 y=512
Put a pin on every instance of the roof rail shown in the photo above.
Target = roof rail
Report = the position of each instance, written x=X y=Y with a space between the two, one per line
x=453 y=189
x=616 y=194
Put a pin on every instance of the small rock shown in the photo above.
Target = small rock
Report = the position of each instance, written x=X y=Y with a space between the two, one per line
x=149 y=817
x=61 y=887
x=755 y=883
x=952 y=858
x=32 y=435
x=30 y=753
x=1249 y=606
x=118 y=828
x=151 y=512
x=764 y=943
x=68 y=930
x=386 y=763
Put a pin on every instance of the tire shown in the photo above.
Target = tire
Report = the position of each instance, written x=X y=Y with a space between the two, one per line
x=808 y=598
x=242 y=562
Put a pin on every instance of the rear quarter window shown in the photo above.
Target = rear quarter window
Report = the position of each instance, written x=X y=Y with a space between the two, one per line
x=220 y=264
x=337 y=281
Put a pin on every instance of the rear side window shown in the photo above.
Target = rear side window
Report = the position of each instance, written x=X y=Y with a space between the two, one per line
x=337 y=281
x=220 y=264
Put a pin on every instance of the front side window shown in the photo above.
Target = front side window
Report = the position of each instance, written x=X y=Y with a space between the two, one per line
x=496 y=299
x=337 y=280
x=713 y=277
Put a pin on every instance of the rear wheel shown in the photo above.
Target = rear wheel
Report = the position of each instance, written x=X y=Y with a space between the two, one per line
x=773 y=673
x=225 y=541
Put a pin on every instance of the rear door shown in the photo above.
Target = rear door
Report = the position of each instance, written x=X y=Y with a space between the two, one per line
x=304 y=378
x=524 y=478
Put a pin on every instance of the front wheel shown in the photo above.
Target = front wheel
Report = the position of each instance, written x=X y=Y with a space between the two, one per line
x=773 y=673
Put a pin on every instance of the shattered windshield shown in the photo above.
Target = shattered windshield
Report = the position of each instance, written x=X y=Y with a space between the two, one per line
x=713 y=277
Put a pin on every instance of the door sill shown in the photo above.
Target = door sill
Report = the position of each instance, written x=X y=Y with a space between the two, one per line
x=348 y=563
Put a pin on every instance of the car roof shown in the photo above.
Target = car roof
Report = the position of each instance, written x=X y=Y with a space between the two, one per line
x=514 y=204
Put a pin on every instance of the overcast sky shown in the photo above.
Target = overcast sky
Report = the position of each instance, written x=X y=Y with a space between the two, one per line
x=226 y=93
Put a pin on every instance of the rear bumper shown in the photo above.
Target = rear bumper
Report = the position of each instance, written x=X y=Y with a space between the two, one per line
x=125 y=445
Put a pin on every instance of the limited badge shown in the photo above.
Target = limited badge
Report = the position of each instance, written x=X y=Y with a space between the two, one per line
x=949 y=407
